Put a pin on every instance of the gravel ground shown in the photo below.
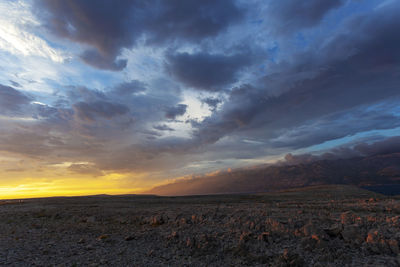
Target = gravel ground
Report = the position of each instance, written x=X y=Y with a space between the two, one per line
x=318 y=226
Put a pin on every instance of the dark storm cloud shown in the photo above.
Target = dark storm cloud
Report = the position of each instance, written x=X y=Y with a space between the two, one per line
x=105 y=62
x=387 y=145
x=163 y=127
x=289 y=16
x=354 y=68
x=328 y=90
x=82 y=93
x=103 y=24
x=130 y=88
x=344 y=165
x=12 y=100
x=191 y=20
x=337 y=126
x=207 y=71
x=103 y=109
x=173 y=112
x=211 y=102
x=109 y=26
x=125 y=107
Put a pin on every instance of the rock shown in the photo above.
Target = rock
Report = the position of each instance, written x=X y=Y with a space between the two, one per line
x=57 y=216
x=173 y=235
x=308 y=229
x=190 y=242
x=183 y=221
x=347 y=218
x=129 y=237
x=265 y=236
x=289 y=259
x=89 y=247
x=244 y=237
x=352 y=234
x=377 y=244
x=91 y=219
x=373 y=236
x=334 y=230
x=393 y=246
x=308 y=243
x=103 y=237
x=157 y=220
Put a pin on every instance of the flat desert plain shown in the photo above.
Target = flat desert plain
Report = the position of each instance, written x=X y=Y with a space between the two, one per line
x=314 y=226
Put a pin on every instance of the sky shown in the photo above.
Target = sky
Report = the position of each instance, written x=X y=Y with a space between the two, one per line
x=115 y=97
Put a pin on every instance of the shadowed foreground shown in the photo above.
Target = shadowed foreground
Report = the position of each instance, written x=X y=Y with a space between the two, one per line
x=317 y=226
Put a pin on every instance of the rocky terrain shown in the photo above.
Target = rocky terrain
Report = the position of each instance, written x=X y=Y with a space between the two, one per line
x=314 y=226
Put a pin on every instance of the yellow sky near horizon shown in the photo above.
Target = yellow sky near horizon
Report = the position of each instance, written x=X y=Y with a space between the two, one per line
x=61 y=182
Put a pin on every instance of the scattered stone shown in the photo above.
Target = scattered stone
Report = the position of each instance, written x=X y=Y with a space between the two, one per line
x=393 y=245
x=244 y=231
x=334 y=230
x=157 y=220
x=347 y=218
x=91 y=219
x=129 y=238
x=352 y=233
x=103 y=237
x=173 y=235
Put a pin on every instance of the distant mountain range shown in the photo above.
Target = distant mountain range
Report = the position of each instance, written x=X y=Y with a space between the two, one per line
x=369 y=171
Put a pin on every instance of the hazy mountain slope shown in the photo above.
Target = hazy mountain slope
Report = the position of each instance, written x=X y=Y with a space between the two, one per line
x=371 y=170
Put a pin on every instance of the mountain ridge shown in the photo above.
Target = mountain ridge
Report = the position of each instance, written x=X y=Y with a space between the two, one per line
x=360 y=171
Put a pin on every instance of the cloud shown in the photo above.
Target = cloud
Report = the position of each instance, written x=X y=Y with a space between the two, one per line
x=351 y=69
x=105 y=62
x=88 y=125
x=15 y=84
x=17 y=37
x=339 y=125
x=163 y=127
x=130 y=88
x=289 y=16
x=264 y=102
x=210 y=72
x=125 y=22
x=355 y=149
x=342 y=165
x=211 y=102
x=83 y=168
x=173 y=112
x=11 y=100
x=386 y=146
x=192 y=20
x=102 y=109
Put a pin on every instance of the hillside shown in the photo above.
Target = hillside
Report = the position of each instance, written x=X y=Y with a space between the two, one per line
x=360 y=171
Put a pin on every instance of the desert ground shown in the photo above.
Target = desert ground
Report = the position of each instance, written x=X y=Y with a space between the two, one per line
x=315 y=226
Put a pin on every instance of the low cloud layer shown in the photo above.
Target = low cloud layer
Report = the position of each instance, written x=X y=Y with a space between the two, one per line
x=360 y=164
